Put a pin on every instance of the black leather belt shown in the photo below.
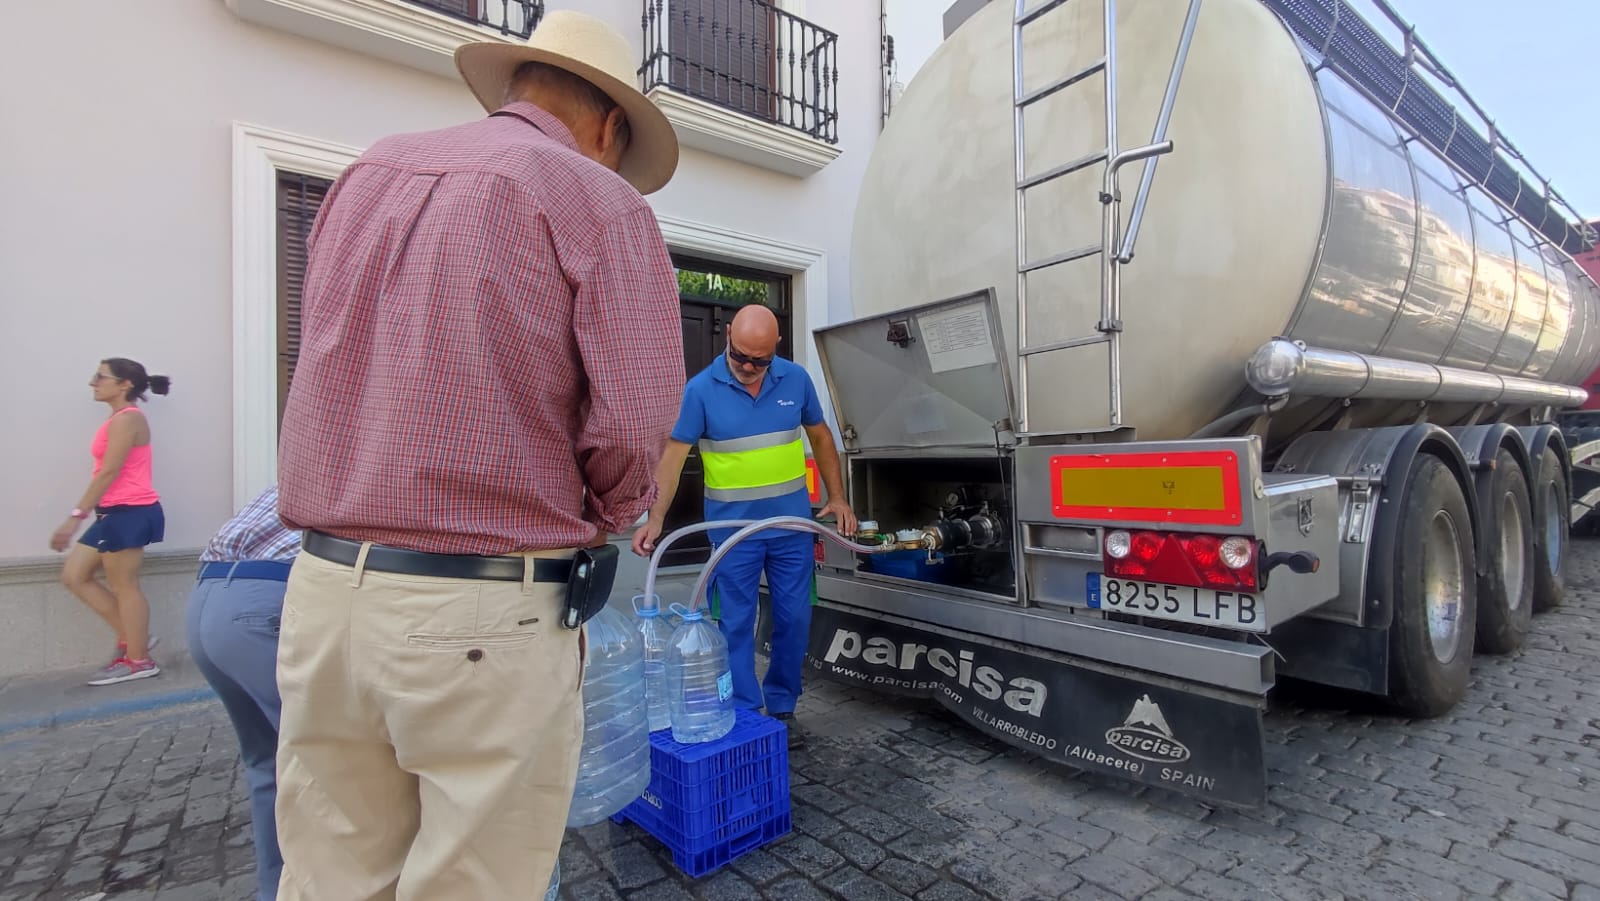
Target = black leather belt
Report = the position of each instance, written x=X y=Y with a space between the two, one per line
x=443 y=566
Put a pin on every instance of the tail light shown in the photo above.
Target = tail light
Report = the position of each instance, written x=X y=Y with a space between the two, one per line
x=1181 y=558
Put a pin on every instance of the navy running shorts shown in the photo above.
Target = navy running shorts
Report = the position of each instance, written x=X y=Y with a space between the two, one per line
x=126 y=526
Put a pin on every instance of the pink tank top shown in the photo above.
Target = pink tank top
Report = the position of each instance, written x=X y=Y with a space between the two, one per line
x=133 y=484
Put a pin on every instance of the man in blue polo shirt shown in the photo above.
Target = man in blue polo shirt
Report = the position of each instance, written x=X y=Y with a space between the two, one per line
x=746 y=411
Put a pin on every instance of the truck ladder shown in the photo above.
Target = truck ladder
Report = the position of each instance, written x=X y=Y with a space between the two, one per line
x=1109 y=255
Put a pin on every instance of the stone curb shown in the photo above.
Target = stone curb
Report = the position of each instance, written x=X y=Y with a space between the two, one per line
x=107 y=710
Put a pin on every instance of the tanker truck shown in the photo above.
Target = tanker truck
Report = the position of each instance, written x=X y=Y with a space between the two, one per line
x=1196 y=345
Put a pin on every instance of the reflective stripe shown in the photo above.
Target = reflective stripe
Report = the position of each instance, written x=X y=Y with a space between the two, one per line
x=749 y=442
x=754 y=468
x=759 y=493
x=754 y=463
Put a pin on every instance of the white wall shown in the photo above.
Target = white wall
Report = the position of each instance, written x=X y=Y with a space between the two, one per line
x=116 y=239
x=115 y=236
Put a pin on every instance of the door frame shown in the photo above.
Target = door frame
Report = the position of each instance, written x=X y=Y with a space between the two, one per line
x=694 y=549
x=806 y=267
x=259 y=154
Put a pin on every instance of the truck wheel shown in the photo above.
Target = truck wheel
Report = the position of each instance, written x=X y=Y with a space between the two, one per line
x=1551 y=516
x=1505 y=589
x=1435 y=593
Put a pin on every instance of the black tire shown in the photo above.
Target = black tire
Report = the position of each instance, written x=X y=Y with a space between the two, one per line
x=1550 y=509
x=1433 y=542
x=1505 y=587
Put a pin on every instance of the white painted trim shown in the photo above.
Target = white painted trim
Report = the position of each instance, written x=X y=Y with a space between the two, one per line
x=259 y=154
x=394 y=30
x=807 y=266
x=724 y=132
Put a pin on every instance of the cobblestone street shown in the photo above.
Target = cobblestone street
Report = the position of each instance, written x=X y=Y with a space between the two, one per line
x=895 y=799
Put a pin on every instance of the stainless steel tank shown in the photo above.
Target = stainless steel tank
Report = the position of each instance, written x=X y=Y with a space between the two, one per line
x=1291 y=205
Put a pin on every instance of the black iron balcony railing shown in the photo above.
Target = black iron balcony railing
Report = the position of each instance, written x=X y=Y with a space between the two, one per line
x=509 y=17
x=748 y=56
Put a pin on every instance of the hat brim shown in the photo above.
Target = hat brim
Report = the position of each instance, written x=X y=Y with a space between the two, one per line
x=652 y=154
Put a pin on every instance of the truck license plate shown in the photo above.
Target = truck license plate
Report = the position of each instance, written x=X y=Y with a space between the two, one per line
x=1178 y=603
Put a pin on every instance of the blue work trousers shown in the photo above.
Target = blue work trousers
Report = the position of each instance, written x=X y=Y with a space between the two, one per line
x=789 y=560
x=233 y=637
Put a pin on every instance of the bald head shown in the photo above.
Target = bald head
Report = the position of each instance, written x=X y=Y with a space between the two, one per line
x=752 y=338
x=755 y=330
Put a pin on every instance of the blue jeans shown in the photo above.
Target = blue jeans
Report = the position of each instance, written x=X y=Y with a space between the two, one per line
x=233 y=637
x=789 y=561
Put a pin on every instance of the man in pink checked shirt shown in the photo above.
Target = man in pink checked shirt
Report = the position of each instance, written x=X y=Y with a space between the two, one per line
x=491 y=361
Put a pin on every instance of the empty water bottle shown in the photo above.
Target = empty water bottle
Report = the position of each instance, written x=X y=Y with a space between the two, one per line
x=699 y=682
x=614 y=764
x=657 y=634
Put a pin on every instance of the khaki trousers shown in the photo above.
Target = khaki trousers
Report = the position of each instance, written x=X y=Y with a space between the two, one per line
x=430 y=735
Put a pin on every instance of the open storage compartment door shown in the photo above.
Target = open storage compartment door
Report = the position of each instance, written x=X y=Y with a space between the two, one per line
x=931 y=376
x=923 y=400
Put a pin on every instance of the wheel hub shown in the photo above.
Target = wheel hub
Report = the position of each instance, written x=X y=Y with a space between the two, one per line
x=1443 y=581
x=1555 y=523
x=1513 y=566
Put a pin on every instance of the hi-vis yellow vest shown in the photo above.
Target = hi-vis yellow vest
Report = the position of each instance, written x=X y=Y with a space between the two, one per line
x=755 y=467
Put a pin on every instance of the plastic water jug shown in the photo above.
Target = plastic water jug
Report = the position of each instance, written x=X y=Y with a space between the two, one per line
x=554 y=891
x=614 y=764
x=699 y=681
x=657 y=634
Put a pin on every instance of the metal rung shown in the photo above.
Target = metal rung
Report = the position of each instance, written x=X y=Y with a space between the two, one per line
x=1063 y=345
x=1038 y=11
x=1060 y=258
x=1041 y=93
x=1034 y=181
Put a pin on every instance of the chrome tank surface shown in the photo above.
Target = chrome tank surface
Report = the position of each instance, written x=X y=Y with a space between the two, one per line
x=1289 y=205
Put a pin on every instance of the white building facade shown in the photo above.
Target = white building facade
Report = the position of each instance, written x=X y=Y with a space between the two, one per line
x=162 y=166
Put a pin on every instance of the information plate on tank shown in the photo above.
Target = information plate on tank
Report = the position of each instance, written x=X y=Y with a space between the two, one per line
x=1192 y=487
x=1177 y=603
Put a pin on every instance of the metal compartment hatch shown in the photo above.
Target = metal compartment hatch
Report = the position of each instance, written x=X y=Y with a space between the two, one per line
x=934 y=375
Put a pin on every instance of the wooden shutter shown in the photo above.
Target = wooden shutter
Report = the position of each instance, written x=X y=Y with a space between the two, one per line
x=723 y=51
x=299 y=198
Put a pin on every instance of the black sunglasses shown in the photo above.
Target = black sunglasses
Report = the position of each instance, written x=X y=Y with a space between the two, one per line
x=758 y=362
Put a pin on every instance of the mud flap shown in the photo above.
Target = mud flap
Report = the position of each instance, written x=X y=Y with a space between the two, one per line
x=1085 y=715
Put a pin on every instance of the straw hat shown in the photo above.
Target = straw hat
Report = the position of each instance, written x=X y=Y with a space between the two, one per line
x=600 y=55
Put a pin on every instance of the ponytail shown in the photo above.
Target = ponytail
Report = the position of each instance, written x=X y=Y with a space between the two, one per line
x=133 y=372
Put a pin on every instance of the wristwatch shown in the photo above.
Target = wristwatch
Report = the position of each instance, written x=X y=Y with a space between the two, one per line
x=78 y=513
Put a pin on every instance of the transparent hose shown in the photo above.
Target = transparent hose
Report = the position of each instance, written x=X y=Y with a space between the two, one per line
x=792 y=523
x=670 y=539
x=747 y=527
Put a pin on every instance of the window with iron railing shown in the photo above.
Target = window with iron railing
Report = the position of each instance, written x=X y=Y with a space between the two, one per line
x=748 y=56
x=509 y=17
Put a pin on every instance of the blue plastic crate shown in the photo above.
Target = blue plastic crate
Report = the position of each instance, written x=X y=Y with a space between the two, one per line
x=710 y=802
x=754 y=753
x=695 y=864
x=701 y=860
x=723 y=821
